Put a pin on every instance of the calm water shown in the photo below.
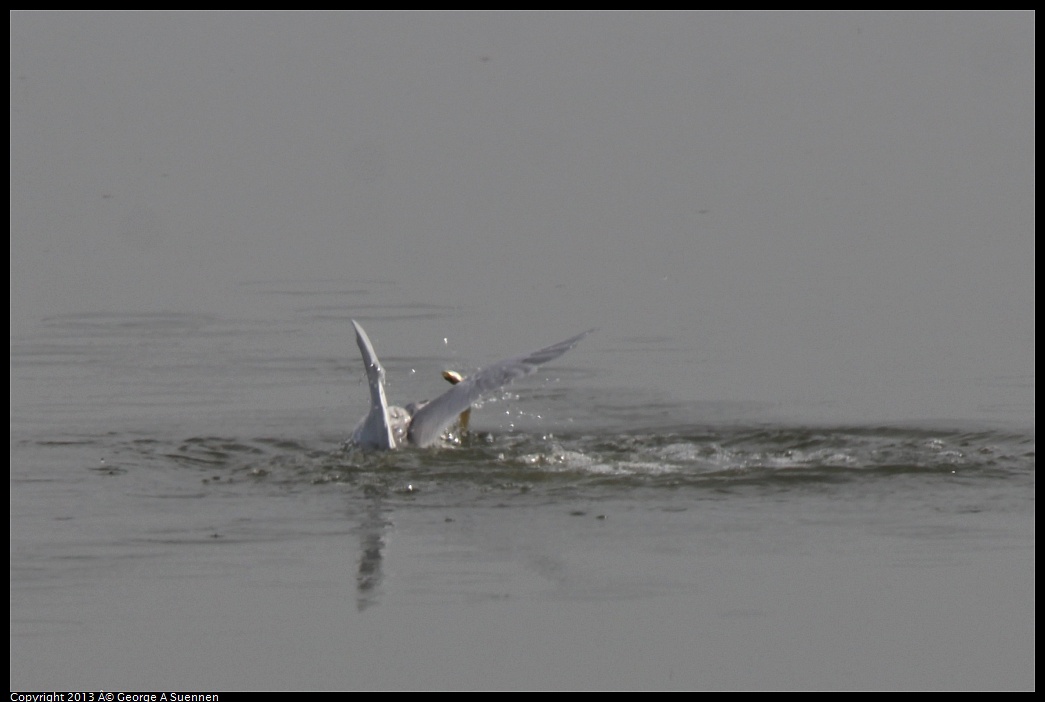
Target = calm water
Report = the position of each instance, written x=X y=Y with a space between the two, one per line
x=166 y=532
x=798 y=453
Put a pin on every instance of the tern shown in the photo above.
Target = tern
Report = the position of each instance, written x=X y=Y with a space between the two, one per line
x=387 y=427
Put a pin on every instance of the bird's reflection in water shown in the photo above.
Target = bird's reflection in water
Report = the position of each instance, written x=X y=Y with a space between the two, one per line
x=371 y=542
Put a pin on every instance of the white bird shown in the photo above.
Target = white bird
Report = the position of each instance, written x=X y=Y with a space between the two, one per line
x=422 y=423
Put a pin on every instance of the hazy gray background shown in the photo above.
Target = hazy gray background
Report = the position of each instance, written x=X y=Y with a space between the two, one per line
x=831 y=214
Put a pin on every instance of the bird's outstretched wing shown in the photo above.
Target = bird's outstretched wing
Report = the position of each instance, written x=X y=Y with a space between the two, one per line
x=374 y=431
x=430 y=420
